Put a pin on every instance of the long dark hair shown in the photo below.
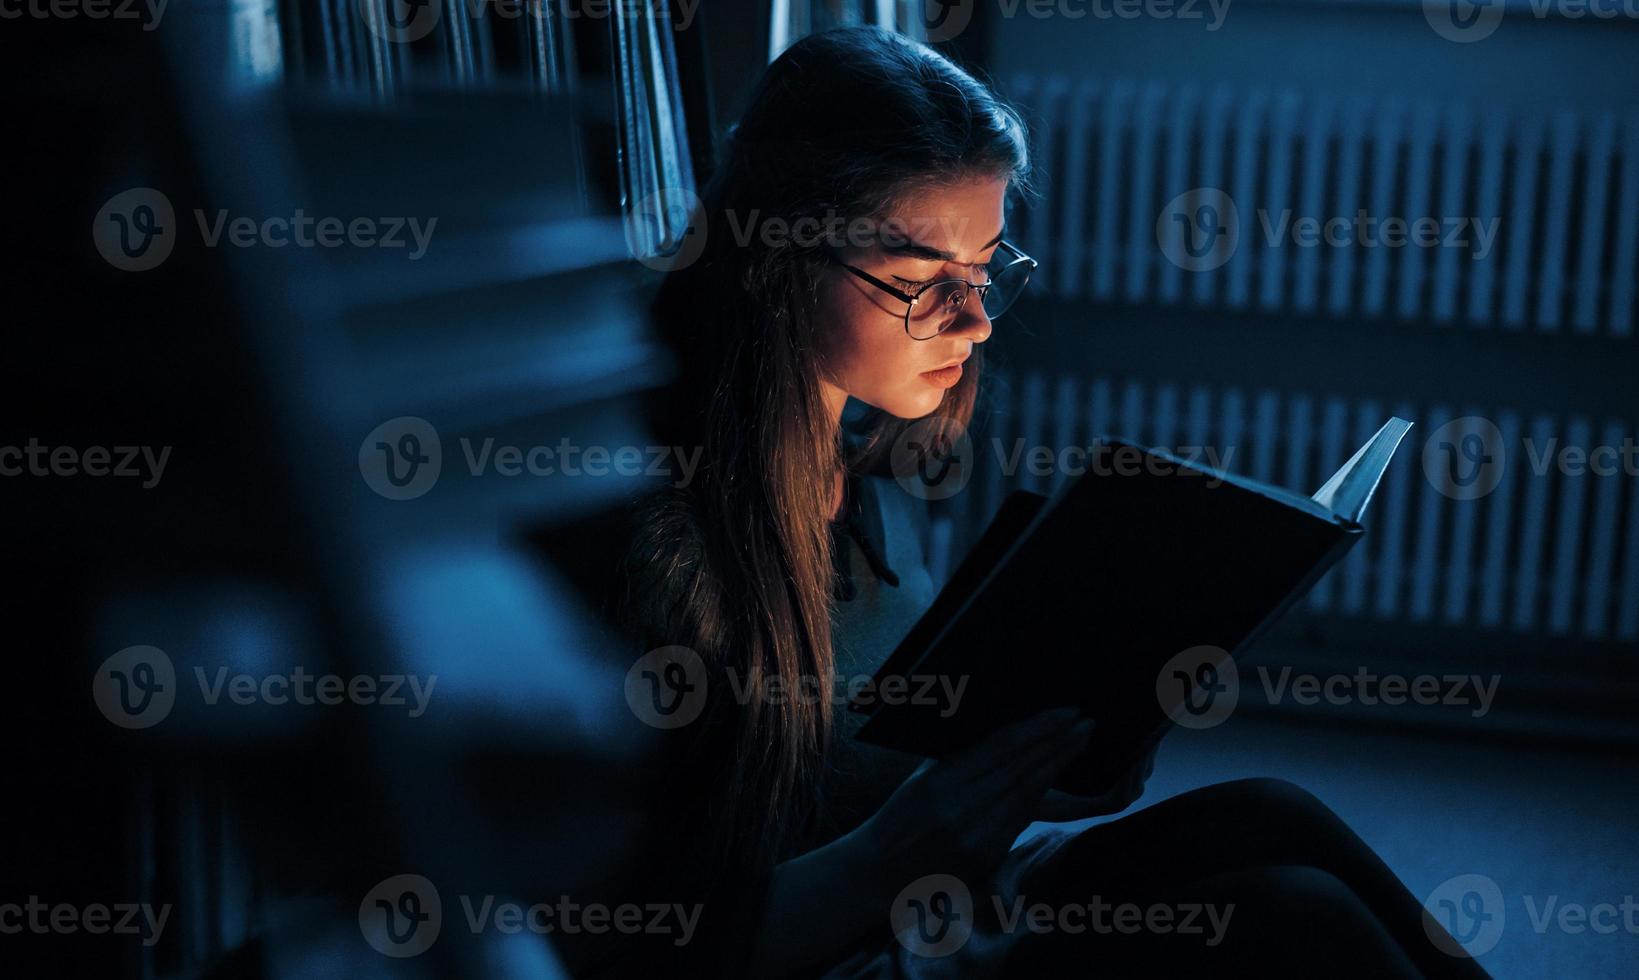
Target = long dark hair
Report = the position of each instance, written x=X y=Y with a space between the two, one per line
x=845 y=123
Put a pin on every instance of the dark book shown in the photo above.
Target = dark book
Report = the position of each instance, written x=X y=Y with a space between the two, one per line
x=1126 y=594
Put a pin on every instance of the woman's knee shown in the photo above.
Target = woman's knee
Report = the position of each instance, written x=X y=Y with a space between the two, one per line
x=1266 y=794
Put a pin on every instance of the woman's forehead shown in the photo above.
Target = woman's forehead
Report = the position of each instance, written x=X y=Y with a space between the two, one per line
x=949 y=222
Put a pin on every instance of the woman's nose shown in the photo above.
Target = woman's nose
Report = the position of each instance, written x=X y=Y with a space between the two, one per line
x=971 y=323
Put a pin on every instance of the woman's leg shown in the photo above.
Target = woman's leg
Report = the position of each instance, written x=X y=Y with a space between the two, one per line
x=1259 y=922
x=1239 y=827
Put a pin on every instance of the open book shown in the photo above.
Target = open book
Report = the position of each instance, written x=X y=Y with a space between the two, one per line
x=1085 y=598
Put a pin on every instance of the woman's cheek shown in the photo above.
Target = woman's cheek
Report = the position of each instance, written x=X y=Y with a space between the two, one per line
x=894 y=373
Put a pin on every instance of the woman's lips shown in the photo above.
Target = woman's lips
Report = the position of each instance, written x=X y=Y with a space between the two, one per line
x=945 y=377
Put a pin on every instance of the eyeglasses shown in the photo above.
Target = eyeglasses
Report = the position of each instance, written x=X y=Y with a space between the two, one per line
x=934 y=307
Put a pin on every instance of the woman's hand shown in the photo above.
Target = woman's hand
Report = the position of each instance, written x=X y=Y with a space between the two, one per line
x=961 y=814
x=1059 y=807
x=958 y=815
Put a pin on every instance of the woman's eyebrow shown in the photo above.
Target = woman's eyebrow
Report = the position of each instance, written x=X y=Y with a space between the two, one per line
x=931 y=254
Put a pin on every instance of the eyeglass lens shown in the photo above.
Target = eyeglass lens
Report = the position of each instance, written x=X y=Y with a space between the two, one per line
x=938 y=306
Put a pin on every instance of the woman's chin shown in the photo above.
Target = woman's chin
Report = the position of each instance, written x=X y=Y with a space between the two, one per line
x=918 y=405
x=912 y=404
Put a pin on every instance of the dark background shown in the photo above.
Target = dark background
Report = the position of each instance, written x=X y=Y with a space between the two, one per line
x=535 y=143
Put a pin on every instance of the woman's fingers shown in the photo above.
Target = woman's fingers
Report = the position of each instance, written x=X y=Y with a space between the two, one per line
x=998 y=751
x=1012 y=790
x=1033 y=776
x=999 y=781
x=1059 y=807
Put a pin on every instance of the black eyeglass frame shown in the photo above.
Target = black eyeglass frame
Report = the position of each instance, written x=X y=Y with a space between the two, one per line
x=982 y=288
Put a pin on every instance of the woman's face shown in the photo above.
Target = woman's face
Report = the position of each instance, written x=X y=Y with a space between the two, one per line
x=944 y=232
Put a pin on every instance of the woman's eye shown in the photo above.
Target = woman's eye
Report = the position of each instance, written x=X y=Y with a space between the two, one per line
x=912 y=285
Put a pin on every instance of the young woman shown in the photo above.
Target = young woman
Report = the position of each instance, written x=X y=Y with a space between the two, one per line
x=853 y=260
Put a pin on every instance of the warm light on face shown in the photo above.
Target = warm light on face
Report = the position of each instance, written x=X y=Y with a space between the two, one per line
x=945 y=232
